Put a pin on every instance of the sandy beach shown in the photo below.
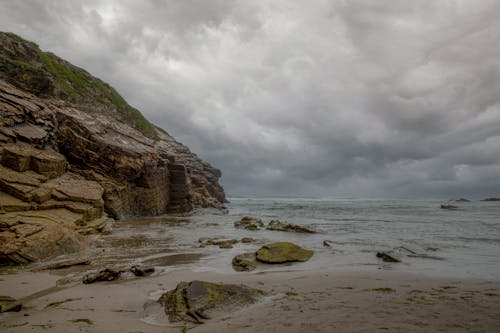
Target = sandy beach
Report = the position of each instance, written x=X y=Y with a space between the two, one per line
x=295 y=302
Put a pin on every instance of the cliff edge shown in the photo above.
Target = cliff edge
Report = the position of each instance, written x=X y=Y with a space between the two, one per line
x=73 y=152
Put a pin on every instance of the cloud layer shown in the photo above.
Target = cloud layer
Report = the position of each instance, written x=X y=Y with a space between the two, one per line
x=323 y=98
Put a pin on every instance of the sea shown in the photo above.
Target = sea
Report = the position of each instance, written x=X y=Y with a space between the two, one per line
x=458 y=243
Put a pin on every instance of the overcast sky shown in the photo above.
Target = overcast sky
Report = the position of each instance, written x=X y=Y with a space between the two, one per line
x=301 y=98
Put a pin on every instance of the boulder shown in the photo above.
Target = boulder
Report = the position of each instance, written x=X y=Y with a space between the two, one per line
x=284 y=226
x=491 y=199
x=386 y=257
x=221 y=242
x=249 y=223
x=9 y=304
x=196 y=301
x=282 y=252
x=327 y=243
x=247 y=240
x=448 y=206
x=142 y=270
x=245 y=262
x=107 y=274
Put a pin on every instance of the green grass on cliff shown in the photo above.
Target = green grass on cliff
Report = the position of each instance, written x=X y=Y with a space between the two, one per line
x=75 y=83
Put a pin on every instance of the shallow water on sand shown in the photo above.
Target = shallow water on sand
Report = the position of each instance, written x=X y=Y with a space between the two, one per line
x=467 y=239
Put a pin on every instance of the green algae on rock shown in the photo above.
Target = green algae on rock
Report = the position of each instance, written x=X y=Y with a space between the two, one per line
x=249 y=223
x=285 y=226
x=245 y=262
x=198 y=300
x=282 y=252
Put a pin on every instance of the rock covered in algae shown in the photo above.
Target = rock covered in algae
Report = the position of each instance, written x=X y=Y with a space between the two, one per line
x=282 y=252
x=223 y=243
x=285 y=226
x=197 y=300
x=249 y=223
x=245 y=262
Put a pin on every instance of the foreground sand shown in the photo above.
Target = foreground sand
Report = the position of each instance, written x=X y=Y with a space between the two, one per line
x=298 y=302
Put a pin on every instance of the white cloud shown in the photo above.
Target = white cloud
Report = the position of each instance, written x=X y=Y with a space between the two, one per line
x=318 y=97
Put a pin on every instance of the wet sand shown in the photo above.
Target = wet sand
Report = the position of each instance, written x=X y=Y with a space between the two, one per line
x=297 y=302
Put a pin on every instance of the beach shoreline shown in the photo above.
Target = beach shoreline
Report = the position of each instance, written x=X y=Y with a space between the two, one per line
x=296 y=301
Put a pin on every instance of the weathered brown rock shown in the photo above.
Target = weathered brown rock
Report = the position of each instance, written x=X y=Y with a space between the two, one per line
x=36 y=224
x=196 y=301
x=223 y=243
x=247 y=240
x=9 y=203
x=100 y=135
x=491 y=199
x=142 y=270
x=245 y=262
x=448 y=206
x=284 y=226
x=327 y=243
x=107 y=274
x=387 y=257
x=35 y=235
x=9 y=304
x=249 y=223
x=23 y=157
x=63 y=264
x=78 y=146
x=282 y=252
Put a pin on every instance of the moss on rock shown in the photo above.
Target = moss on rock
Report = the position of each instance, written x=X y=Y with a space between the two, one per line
x=44 y=74
x=198 y=300
x=282 y=252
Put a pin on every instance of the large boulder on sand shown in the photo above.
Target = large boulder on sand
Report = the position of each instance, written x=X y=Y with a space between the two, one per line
x=282 y=252
x=197 y=300
x=284 y=226
x=249 y=223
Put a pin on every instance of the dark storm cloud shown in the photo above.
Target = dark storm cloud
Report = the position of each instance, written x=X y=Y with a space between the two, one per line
x=365 y=98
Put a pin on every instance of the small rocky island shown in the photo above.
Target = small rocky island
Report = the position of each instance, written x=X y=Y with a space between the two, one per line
x=74 y=156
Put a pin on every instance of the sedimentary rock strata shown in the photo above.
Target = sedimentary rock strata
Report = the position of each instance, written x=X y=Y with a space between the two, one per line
x=73 y=152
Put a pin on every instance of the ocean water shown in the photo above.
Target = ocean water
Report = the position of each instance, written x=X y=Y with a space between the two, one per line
x=467 y=240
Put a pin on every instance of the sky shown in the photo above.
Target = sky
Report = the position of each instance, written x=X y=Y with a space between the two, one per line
x=301 y=98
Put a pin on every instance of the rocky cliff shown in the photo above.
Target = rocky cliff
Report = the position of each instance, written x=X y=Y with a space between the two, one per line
x=73 y=152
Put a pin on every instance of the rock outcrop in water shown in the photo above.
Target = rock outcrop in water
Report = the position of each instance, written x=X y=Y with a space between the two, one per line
x=249 y=223
x=285 y=226
x=73 y=152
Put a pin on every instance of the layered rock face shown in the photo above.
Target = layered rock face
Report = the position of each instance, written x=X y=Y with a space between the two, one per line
x=72 y=154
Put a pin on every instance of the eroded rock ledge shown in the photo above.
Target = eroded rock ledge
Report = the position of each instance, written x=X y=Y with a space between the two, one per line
x=65 y=170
